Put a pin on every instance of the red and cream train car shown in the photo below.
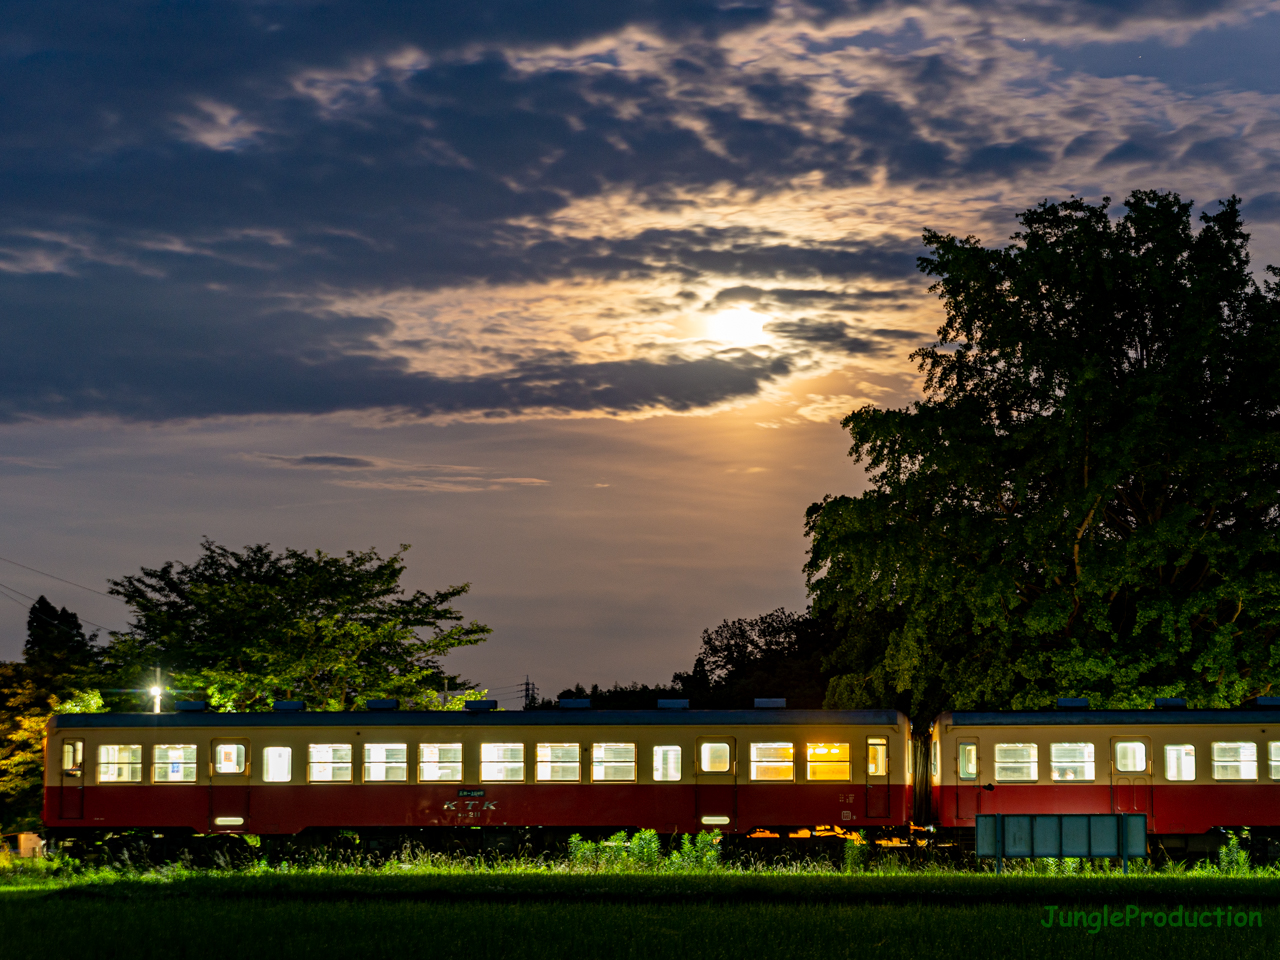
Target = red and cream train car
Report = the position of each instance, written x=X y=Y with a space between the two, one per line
x=671 y=770
x=1188 y=771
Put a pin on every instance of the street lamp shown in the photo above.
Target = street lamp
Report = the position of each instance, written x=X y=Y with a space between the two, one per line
x=155 y=692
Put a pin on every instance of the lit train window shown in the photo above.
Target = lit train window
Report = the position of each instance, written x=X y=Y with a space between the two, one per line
x=440 y=762
x=502 y=761
x=1017 y=762
x=935 y=751
x=559 y=761
x=827 y=761
x=967 y=761
x=228 y=758
x=120 y=763
x=1131 y=756
x=1235 y=761
x=329 y=763
x=386 y=761
x=714 y=758
x=277 y=764
x=1273 y=758
x=1071 y=761
x=72 y=758
x=773 y=761
x=1179 y=761
x=666 y=764
x=613 y=761
x=173 y=763
x=877 y=756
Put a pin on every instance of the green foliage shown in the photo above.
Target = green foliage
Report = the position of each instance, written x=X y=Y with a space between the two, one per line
x=857 y=853
x=1233 y=859
x=643 y=853
x=249 y=627
x=1086 y=500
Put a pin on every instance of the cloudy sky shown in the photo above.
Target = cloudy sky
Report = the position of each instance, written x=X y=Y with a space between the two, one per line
x=569 y=296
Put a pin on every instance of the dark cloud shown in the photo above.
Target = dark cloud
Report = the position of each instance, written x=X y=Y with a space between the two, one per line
x=830 y=334
x=320 y=460
x=1264 y=208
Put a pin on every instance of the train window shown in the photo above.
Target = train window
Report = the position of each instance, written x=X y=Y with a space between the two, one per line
x=329 y=763
x=967 y=761
x=1273 y=758
x=440 y=762
x=277 y=764
x=666 y=764
x=1071 y=761
x=72 y=758
x=1179 y=761
x=1131 y=756
x=877 y=756
x=173 y=763
x=228 y=758
x=386 y=761
x=120 y=763
x=827 y=761
x=502 y=761
x=1017 y=762
x=559 y=761
x=613 y=761
x=714 y=758
x=1235 y=761
x=773 y=761
x=935 y=751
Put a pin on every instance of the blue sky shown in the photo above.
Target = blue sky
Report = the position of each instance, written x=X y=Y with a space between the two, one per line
x=569 y=296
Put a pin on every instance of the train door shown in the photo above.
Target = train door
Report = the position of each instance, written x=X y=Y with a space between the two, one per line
x=967 y=788
x=229 y=771
x=1131 y=775
x=716 y=782
x=877 y=777
x=71 y=789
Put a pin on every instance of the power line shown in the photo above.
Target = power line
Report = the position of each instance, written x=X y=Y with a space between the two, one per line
x=61 y=580
x=33 y=600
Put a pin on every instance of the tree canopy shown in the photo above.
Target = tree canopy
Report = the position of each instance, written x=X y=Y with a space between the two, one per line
x=244 y=628
x=1086 y=500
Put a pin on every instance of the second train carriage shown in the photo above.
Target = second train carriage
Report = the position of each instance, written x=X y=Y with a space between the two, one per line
x=1187 y=771
x=670 y=770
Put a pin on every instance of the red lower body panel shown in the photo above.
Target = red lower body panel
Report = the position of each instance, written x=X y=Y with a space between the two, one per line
x=290 y=808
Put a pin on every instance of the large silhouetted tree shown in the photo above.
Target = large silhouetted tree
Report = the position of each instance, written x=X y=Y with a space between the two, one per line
x=1086 y=501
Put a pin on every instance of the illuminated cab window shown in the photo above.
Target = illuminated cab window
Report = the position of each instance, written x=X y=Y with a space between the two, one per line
x=1235 y=761
x=440 y=762
x=120 y=763
x=666 y=764
x=877 y=756
x=827 y=761
x=1071 y=761
x=1179 y=761
x=228 y=758
x=935 y=751
x=386 y=762
x=714 y=758
x=613 y=762
x=72 y=758
x=502 y=761
x=967 y=761
x=1016 y=762
x=277 y=764
x=329 y=763
x=558 y=762
x=173 y=763
x=1273 y=758
x=1131 y=756
x=773 y=761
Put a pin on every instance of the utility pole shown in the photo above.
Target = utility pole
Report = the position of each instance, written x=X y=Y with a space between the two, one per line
x=530 y=693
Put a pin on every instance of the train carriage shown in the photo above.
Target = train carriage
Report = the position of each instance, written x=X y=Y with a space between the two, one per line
x=287 y=771
x=1187 y=771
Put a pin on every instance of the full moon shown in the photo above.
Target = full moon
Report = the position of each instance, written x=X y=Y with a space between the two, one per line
x=740 y=327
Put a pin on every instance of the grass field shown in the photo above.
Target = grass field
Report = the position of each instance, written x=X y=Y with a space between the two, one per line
x=323 y=913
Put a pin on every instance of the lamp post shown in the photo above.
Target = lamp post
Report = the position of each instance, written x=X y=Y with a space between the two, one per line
x=157 y=690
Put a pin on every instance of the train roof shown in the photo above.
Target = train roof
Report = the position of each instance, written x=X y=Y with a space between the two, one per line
x=515 y=718
x=1102 y=718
